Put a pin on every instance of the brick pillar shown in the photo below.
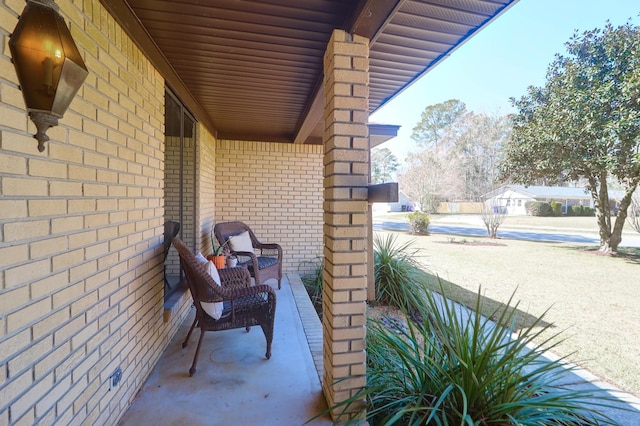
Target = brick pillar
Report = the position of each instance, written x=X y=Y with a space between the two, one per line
x=346 y=170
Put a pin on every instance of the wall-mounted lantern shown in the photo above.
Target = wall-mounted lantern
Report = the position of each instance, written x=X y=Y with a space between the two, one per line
x=49 y=66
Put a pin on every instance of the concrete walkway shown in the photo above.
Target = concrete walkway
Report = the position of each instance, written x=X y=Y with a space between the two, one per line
x=234 y=384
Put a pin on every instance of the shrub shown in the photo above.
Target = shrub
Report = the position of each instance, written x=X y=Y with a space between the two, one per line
x=399 y=279
x=556 y=208
x=528 y=206
x=576 y=210
x=419 y=222
x=460 y=368
x=538 y=208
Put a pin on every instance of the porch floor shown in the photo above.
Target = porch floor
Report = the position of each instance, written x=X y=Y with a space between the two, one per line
x=234 y=382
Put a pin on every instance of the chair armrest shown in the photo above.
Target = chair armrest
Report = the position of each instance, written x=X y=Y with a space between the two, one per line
x=271 y=246
x=235 y=277
x=250 y=255
x=243 y=253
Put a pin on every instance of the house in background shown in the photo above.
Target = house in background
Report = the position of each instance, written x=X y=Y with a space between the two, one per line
x=404 y=204
x=512 y=198
x=195 y=112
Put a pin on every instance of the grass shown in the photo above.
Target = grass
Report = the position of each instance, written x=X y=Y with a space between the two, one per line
x=591 y=299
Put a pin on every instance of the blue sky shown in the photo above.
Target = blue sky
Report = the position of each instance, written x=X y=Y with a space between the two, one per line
x=501 y=61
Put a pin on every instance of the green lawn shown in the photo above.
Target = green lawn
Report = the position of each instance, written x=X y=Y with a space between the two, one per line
x=592 y=299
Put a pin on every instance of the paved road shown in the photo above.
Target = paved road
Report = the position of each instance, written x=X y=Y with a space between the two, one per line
x=474 y=231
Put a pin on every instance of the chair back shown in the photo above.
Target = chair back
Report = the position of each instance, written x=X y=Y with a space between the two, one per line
x=202 y=287
x=224 y=230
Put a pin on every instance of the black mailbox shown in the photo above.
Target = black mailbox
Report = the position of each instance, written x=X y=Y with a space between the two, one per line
x=383 y=193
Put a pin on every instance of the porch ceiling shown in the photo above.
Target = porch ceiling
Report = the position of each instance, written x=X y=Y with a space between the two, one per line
x=252 y=69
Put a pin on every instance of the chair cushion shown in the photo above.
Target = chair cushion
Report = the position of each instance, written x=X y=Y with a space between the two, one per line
x=263 y=262
x=213 y=309
x=201 y=259
x=241 y=242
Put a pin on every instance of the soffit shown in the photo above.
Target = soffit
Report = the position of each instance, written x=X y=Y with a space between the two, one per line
x=252 y=70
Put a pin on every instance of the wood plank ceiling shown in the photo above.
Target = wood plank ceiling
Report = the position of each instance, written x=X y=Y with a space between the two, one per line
x=252 y=69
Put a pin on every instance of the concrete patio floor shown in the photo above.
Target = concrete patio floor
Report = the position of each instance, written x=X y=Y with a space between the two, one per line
x=234 y=383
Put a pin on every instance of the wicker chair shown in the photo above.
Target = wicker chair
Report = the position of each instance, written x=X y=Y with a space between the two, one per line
x=266 y=261
x=244 y=305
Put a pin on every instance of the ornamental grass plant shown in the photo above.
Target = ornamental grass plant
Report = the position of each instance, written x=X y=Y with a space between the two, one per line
x=399 y=277
x=458 y=368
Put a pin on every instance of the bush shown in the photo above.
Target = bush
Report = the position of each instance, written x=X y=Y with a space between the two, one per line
x=556 y=208
x=528 y=206
x=578 y=210
x=538 y=208
x=455 y=369
x=419 y=223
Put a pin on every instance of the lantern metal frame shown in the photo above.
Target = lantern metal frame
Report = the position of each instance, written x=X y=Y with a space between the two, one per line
x=48 y=64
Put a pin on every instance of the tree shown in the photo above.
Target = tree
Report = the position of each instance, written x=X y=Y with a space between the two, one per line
x=429 y=179
x=493 y=215
x=476 y=143
x=436 y=120
x=584 y=123
x=383 y=164
x=465 y=140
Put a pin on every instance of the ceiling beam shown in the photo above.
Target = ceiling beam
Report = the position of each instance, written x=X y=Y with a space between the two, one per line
x=372 y=16
x=369 y=20
x=313 y=114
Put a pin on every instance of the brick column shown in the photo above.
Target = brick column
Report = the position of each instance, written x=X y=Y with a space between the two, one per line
x=346 y=170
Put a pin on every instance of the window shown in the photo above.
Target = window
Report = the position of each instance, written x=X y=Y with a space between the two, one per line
x=179 y=182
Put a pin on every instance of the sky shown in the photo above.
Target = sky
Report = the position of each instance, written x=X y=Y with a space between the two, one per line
x=501 y=61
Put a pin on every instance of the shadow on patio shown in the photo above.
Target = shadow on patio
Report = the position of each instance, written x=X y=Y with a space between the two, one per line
x=234 y=383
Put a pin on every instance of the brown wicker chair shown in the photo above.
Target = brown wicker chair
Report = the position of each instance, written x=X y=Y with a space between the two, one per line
x=266 y=261
x=244 y=305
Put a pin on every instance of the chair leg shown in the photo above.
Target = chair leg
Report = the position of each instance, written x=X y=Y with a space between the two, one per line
x=186 y=341
x=267 y=329
x=192 y=370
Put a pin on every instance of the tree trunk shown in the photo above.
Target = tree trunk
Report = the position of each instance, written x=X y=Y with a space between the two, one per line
x=616 y=235
x=610 y=239
x=600 y=196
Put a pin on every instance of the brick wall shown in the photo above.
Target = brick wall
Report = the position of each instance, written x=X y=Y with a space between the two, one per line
x=277 y=190
x=206 y=187
x=81 y=285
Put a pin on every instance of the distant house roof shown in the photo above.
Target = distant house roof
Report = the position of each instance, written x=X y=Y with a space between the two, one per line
x=555 y=192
